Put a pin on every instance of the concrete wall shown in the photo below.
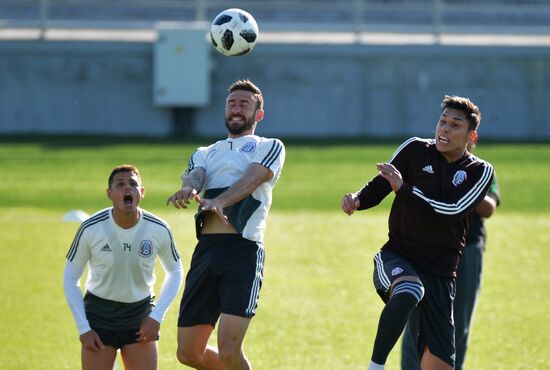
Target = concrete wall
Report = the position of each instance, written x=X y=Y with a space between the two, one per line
x=310 y=90
x=78 y=87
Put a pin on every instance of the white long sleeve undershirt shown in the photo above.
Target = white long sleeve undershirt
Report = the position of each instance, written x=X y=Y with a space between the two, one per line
x=170 y=286
x=73 y=293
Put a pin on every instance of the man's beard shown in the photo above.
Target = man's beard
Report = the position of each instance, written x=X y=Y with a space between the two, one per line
x=248 y=123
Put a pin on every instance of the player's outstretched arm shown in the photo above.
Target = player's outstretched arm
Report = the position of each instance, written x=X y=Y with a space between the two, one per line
x=255 y=175
x=192 y=185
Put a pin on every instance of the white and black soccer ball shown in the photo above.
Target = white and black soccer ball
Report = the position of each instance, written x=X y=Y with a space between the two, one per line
x=234 y=32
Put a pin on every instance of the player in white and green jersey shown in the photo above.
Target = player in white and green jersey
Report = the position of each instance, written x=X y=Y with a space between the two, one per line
x=232 y=180
x=119 y=245
x=226 y=162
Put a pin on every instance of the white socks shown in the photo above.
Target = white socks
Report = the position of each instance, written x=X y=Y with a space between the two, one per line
x=375 y=366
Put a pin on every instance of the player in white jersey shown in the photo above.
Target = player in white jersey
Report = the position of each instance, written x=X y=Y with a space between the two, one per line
x=232 y=180
x=119 y=245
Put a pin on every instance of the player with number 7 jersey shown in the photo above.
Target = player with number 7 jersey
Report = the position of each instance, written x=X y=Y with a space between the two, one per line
x=232 y=180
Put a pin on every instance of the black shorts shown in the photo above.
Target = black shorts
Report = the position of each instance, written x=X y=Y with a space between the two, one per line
x=118 y=338
x=116 y=323
x=225 y=277
x=432 y=319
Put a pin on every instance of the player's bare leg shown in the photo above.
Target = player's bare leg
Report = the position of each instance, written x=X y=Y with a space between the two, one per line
x=194 y=351
x=140 y=356
x=103 y=359
x=431 y=362
x=231 y=332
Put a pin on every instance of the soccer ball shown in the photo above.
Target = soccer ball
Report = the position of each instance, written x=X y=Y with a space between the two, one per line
x=234 y=32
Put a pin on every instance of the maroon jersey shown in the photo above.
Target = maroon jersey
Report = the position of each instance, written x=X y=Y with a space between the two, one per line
x=431 y=211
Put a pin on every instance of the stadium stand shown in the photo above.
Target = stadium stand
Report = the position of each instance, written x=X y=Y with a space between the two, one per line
x=290 y=14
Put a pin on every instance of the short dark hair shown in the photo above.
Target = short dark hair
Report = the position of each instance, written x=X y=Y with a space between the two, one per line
x=123 y=168
x=464 y=104
x=247 y=85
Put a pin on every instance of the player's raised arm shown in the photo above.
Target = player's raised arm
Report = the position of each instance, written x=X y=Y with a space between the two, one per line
x=255 y=175
x=191 y=186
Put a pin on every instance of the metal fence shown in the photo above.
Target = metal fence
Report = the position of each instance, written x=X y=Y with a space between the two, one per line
x=431 y=16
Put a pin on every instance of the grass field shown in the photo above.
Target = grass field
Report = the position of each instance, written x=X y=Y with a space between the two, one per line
x=318 y=309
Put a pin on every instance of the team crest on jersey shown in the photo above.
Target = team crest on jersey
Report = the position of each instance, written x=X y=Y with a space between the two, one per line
x=146 y=248
x=396 y=271
x=248 y=147
x=459 y=177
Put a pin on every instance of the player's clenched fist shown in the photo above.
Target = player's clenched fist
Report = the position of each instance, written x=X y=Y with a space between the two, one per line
x=350 y=203
x=182 y=197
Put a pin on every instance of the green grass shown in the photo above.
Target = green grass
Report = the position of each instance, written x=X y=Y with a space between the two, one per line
x=318 y=309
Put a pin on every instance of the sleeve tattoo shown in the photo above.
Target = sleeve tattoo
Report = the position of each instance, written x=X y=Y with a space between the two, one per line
x=194 y=179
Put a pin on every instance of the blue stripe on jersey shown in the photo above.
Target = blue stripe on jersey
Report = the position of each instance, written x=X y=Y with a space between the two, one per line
x=272 y=155
x=151 y=218
x=102 y=216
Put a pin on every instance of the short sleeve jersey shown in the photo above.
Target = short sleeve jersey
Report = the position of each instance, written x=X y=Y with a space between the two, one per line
x=225 y=162
x=432 y=209
x=121 y=261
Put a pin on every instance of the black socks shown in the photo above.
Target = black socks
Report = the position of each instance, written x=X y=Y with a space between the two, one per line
x=392 y=321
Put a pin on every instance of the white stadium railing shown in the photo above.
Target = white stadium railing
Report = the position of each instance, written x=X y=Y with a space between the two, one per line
x=409 y=16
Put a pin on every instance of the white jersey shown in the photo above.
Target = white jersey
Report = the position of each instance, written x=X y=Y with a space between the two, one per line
x=121 y=261
x=225 y=162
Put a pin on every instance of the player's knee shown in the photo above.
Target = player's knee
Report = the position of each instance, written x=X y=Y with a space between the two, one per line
x=191 y=359
x=412 y=287
x=230 y=354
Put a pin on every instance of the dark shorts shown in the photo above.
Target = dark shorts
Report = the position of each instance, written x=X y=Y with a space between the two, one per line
x=116 y=323
x=225 y=277
x=432 y=319
x=118 y=338
x=388 y=267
